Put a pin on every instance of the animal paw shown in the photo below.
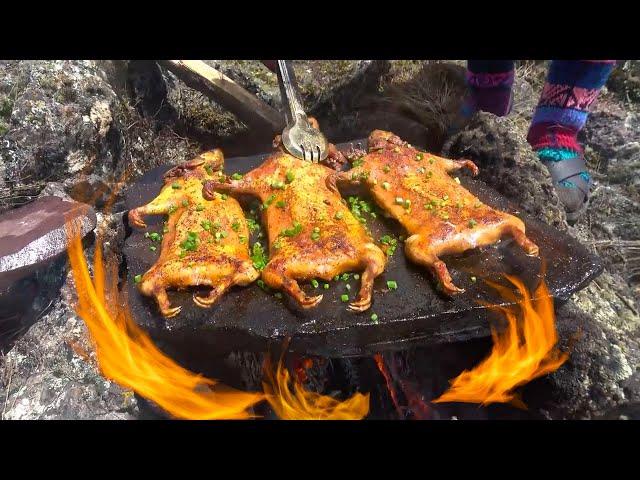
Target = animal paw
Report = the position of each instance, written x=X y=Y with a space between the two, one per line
x=359 y=305
x=310 y=302
x=136 y=219
x=171 y=312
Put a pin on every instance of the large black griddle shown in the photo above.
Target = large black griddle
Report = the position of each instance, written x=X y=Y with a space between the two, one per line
x=414 y=314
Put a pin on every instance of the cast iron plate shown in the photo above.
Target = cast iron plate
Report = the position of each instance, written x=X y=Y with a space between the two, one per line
x=415 y=314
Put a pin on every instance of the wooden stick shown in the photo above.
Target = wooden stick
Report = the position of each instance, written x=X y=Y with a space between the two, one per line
x=256 y=114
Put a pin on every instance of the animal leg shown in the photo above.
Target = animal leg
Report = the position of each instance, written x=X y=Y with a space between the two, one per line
x=454 y=165
x=164 y=304
x=375 y=262
x=280 y=281
x=215 y=293
x=521 y=239
x=419 y=251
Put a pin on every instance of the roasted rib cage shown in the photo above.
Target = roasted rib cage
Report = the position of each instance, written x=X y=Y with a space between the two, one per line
x=441 y=216
x=205 y=242
x=312 y=233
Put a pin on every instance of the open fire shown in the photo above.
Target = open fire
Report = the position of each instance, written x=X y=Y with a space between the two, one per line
x=524 y=350
x=126 y=355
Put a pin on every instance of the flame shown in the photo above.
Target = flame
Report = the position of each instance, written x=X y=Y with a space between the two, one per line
x=524 y=351
x=127 y=355
x=300 y=404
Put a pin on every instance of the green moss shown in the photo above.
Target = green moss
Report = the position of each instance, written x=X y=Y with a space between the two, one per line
x=4 y=127
x=48 y=83
x=6 y=106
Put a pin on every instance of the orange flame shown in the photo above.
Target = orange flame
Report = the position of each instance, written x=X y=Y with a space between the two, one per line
x=524 y=351
x=127 y=355
x=300 y=404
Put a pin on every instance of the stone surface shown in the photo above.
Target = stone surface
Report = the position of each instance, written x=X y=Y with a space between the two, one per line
x=33 y=235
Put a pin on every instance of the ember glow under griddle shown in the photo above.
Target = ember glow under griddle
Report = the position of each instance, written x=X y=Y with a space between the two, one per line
x=413 y=314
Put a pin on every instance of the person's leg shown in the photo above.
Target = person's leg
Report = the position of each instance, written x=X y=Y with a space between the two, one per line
x=570 y=90
x=489 y=83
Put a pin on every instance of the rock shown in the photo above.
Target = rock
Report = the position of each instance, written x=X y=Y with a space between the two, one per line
x=62 y=121
x=602 y=371
x=33 y=235
x=50 y=373
x=499 y=147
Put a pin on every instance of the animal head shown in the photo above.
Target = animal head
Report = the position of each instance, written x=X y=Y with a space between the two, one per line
x=200 y=167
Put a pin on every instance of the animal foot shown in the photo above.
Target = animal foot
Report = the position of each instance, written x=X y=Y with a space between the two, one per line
x=136 y=219
x=359 y=305
x=310 y=302
x=171 y=312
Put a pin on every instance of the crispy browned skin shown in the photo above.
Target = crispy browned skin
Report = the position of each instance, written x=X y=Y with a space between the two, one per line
x=442 y=217
x=221 y=258
x=342 y=244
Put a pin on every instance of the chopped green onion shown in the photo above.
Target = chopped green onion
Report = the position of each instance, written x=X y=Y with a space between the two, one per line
x=314 y=283
x=473 y=279
x=347 y=286
x=199 y=208
x=175 y=186
x=472 y=223
x=277 y=185
x=356 y=276
x=325 y=286
x=165 y=229
x=386 y=169
x=457 y=180
x=290 y=176
x=137 y=278
x=344 y=297
x=392 y=285
x=399 y=201
x=374 y=318
x=386 y=185
x=208 y=169
x=224 y=196
x=339 y=215
x=344 y=277
x=292 y=232
x=407 y=203
x=315 y=236
x=418 y=157
x=336 y=278
x=278 y=295
x=280 y=204
x=237 y=176
x=153 y=248
x=172 y=209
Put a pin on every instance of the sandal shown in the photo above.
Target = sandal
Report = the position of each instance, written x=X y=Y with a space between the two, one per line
x=573 y=184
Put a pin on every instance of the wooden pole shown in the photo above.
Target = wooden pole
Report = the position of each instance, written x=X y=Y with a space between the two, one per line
x=253 y=112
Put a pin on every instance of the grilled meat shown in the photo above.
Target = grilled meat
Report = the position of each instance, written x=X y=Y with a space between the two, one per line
x=205 y=241
x=312 y=233
x=441 y=216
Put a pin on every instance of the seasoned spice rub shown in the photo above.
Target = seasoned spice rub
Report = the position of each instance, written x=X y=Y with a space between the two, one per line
x=441 y=216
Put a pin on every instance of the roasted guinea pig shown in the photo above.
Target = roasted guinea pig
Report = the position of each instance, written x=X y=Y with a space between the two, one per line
x=205 y=241
x=312 y=233
x=441 y=216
